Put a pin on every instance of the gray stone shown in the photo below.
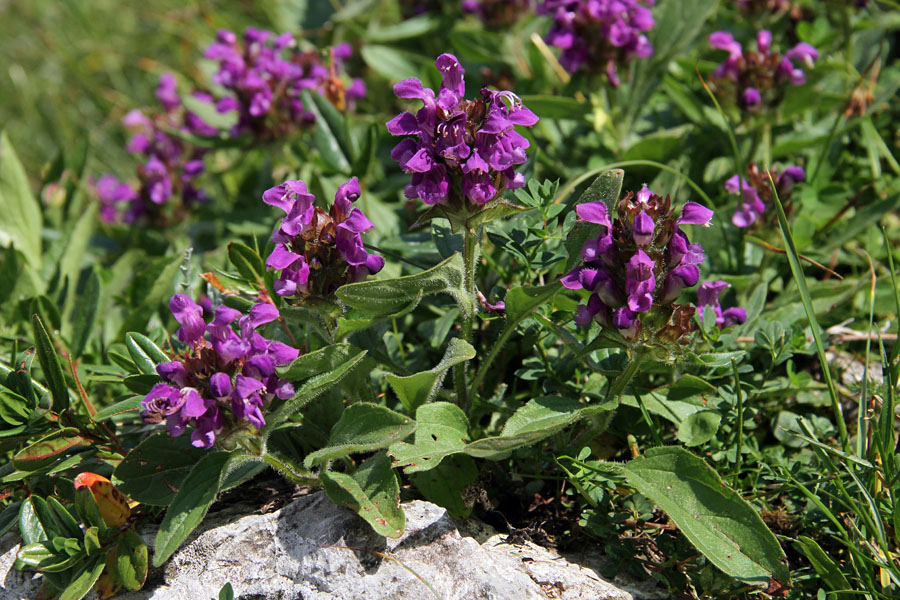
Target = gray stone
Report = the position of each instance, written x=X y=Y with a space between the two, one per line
x=314 y=550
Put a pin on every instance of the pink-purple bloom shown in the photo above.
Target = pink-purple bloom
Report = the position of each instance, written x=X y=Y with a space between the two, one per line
x=459 y=144
x=758 y=77
x=223 y=380
x=639 y=265
x=755 y=189
x=708 y=295
x=599 y=35
x=318 y=251
x=264 y=74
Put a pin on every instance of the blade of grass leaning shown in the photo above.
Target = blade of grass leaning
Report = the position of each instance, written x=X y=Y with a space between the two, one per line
x=797 y=272
x=593 y=173
x=861 y=449
x=895 y=351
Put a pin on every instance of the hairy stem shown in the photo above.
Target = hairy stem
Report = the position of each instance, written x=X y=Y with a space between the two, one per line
x=290 y=471
x=470 y=252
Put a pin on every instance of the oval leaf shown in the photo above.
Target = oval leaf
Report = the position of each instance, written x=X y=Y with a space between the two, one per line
x=45 y=451
x=721 y=524
x=363 y=427
x=373 y=492
x=46 y=352
x=419 y=388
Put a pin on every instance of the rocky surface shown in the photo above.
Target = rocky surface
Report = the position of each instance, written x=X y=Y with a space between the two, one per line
x=314 y=550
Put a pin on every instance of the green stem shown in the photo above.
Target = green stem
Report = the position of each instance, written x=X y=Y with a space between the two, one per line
x=626 y=376
x=470 y=252
x=740 y=421
x=291 y=472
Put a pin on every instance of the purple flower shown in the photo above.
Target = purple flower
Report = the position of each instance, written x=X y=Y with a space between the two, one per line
x=708 y=295
x=167 y=92
x=639 y=265
x=220 y=371
x=757 y=77
x=756 y=187
x=111 y=192
x=599 y=35
x=316 y=251
x=470 y=142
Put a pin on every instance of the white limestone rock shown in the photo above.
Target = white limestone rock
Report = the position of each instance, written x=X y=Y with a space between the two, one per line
x=314 y=550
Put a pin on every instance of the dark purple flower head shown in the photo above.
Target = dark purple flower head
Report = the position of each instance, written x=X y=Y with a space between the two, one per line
x=318 y=251
x=757 y=78
x=599 y=35
x=466 y=145
x=708 y=295
x=224 y=379
x=638 y=266
x=264 y=75
x=755 y=191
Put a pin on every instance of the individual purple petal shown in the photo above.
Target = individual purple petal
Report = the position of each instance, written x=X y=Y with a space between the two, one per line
x=681 y=277
x=640 y=282
x=282 y=258
x=733 y=316
x=751 y=98
x=173 y=372
x=572 y=279
x=643 y=196
x=695 y=214
x=192 y=403
x=452 y=74
x=346 y=195
x=593 y=212
x=246 y=386
x=764 y=41
x=190 y=315
x=167 y=92
x=220 y=385
x=260 y=314
x=642 y=230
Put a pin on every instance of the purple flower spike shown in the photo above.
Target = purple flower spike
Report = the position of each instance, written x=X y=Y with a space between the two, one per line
x=755 y=76
x=599 y=35
x=466 y=145
x=638 y=267
x=757 y=190
x=307 y=236
x=167 y=92
x=222 y=370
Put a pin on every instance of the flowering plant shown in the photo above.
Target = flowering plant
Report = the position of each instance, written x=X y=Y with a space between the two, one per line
x=754 y=191
x=222 y=381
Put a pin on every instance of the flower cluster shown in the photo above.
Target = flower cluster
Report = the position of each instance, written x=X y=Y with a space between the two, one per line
x=170 y=163
x=318 y=251
x=599 y=34
x=708 y=295
x=755 y=191
x=223 y=380
x=759 y=77
x=264 y=75
x=638 y=266
x=461 y=146
x=497 y=13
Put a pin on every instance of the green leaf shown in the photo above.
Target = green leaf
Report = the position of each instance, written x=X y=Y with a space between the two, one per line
x=391 y=63
x=46 y=308
x=190 y=504
x=144 y=352
x=132 y=404
x=721 y=524
x=499 y=210
x=30 y=526
x=606 y=188
x=141 y=384
x=330 y=134
x=85 y=313
x=312 y=388
x=557 y=107
x=76 y=244
x=699 y=427
x=827 y=569
x=153 y=472
x=34 y=554
x=85 y=579
x=227 y=592
x=132 y=560
x=410 y=28
x=445 y=484
x=247 y=261
x=89 y=510
x=14 y=408
x=538 y=419
x=318 y=362
x=363 y=427
x=92 y=544
x=50 y=364
x=387 y=296
x=372 y=491
x=520 y=302
x=45 y=451
x=22 y=222
x=67 y=523
x=419 y=388
x=9 y=517
x=442 y=429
